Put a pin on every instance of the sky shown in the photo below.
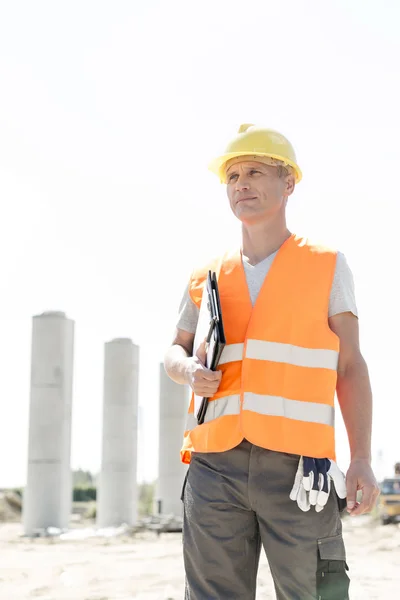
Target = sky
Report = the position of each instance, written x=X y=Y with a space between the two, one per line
x=109 y=115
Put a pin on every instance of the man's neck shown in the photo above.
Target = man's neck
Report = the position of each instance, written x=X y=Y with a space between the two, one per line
x=259 y=240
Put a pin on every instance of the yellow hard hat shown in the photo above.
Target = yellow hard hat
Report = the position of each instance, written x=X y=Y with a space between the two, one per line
x=256 y=142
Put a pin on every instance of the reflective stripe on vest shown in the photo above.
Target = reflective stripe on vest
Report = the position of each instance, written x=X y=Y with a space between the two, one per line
x=292 y=355
x=227 y=405
x=274 y=406
x=231 y=353
x=311 y=412
x=283 y=353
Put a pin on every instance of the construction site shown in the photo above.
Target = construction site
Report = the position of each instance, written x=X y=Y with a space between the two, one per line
x=123 y=564
x=55 y=548
x=198 y=316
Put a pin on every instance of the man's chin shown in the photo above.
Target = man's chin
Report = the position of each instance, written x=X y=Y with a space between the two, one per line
x=248 y=216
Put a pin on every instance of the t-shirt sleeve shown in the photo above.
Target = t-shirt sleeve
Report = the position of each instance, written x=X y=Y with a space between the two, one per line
x=342 y=298
x=188 y=313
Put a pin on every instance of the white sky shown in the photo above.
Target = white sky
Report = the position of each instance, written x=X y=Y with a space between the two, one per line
x=109 y=114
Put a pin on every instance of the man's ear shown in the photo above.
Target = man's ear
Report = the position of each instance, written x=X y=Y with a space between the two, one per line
x=290 y=184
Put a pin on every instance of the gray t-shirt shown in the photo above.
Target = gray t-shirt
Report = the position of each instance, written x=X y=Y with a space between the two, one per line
x=342 y=297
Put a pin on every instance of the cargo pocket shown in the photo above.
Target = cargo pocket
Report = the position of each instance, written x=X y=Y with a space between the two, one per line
x=332 y=580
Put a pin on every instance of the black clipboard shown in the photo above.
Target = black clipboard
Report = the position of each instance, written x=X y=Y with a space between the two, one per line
x=216 y=336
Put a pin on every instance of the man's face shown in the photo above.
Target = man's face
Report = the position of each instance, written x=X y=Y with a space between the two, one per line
x=255 y=190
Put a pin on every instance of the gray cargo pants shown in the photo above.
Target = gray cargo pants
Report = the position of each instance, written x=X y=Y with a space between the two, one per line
x=235 y=501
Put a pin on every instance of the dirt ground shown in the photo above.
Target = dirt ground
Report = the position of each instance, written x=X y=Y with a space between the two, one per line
x=147 y=567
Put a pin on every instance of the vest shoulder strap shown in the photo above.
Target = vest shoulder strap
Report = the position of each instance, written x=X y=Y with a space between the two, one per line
x=315 y=247
x=199 y=276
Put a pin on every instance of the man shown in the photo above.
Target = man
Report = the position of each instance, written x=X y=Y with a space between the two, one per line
x=288 y=308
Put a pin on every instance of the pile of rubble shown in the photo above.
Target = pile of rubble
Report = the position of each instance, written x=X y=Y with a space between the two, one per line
x=155 y=523
x=161 y=524
x=10 y=507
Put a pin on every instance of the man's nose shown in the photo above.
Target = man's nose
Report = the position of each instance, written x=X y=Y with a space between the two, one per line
x=242 y=182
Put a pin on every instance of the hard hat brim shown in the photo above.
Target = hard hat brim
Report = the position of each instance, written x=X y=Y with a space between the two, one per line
x=217 y=165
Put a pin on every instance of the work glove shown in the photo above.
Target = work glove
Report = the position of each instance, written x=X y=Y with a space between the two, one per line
x=313 y=483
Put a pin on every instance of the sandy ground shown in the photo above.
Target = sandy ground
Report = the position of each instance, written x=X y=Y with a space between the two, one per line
x=147 y=567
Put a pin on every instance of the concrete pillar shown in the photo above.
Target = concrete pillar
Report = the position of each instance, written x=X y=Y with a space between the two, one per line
x=174 y=401
x=48 y=493
x=117 y=491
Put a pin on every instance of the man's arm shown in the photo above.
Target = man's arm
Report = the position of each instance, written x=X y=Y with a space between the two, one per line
x=176 y=357
x=355 y=400
x=184 y=368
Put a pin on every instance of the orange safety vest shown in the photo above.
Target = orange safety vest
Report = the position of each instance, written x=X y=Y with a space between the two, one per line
x=279 y=365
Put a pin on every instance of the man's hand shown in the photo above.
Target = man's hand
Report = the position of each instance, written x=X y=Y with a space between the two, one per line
x=203 y=381
x=360 y=477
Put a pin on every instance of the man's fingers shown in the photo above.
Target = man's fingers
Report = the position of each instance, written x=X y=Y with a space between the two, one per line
x=204 y=393
x=206 y=382
x=351 y=486
x=204 y=376
x=359 y=509
x=201 y=389
x=366 y=501
x=369 y=496
x=361 y=477
x=210 y=375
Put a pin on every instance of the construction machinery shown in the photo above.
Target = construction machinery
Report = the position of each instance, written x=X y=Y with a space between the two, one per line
x=389 y=500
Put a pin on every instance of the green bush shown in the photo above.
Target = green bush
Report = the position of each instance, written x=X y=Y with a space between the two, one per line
x=88 y=493
x=84 y=494
x=80 y=493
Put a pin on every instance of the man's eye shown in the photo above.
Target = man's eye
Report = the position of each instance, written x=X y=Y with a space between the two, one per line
x=253 y=171
x=231 y=177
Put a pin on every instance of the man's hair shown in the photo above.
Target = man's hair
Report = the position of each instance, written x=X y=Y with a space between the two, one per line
x=284 y=171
